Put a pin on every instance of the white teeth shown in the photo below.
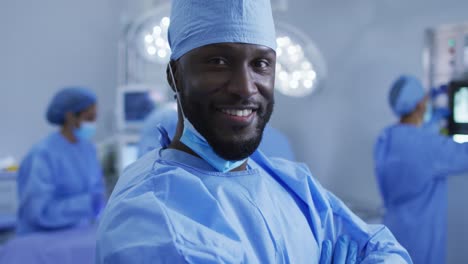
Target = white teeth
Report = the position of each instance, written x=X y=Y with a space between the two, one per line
x=233 y=112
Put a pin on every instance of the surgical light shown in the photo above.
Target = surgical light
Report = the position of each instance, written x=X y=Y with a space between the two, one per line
x=153 y=44
x=299 y=65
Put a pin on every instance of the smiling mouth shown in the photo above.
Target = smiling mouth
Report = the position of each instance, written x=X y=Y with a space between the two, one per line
x=238 y=112
x=238 y=115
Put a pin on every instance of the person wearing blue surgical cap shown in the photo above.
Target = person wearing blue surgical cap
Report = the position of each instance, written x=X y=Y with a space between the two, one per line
x=412 y=164
x=209 y=195
x=60 y=182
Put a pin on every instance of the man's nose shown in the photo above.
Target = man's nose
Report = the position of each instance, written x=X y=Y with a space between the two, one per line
x=242 y=83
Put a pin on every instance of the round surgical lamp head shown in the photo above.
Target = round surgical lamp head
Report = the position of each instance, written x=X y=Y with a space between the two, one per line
x=300 y=68
x=150 y=35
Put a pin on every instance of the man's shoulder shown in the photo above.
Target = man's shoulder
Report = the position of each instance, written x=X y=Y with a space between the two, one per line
x=140 y=191
x=289 y=167
x=141 y=173
x=156 y=198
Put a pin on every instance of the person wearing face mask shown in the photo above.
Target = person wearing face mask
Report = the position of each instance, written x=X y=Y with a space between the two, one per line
x=412 y=164
x=209 y=195
x=60 y=182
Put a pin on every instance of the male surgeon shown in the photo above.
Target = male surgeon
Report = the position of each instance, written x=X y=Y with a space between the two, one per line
x=209 y=195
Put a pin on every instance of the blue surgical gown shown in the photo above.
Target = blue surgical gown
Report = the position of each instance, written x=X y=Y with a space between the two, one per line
x=412 y=165
x=60 y=185
x=172 y=207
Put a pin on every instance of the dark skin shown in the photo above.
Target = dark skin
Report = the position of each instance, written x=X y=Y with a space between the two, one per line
x=74 y=120
x=227 y=93
x=416 y=117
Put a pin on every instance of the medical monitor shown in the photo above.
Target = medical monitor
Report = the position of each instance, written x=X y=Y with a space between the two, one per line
x=458 y=103
x=134 y=103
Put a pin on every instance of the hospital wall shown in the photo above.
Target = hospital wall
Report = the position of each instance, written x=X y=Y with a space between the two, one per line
x=47 y=44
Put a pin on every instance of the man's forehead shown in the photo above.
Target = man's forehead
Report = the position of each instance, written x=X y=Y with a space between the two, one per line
x=231 y=48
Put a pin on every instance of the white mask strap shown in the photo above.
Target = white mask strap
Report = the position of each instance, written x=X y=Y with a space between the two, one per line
x=177 y=90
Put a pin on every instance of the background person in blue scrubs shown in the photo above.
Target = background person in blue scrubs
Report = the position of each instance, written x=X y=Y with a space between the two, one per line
x=60 y=182
x=412 y=164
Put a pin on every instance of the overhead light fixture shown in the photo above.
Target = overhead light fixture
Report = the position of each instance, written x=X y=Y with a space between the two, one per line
x=152 y=42
x=299 y=65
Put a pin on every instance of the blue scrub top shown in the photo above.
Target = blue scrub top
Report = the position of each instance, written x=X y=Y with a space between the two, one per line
x=60 y=185
x=171 y=207
x=412 y=165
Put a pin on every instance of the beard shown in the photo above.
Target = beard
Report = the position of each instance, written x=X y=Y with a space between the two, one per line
x=232 y=149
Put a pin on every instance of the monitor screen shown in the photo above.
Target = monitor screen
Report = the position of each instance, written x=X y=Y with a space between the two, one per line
x=458 y=98
x=135 y=102
x=137 y=105
x=460 y=105
x=460 y=138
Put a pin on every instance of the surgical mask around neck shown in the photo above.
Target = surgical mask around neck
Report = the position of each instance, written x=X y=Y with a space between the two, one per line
x=86 y=131
x=196 y=142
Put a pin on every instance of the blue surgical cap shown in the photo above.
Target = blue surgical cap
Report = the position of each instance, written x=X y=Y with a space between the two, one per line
x=405 y=94
x=196 y=23
x=71 y=99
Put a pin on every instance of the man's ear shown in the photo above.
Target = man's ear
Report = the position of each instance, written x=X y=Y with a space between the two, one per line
x=172 y=64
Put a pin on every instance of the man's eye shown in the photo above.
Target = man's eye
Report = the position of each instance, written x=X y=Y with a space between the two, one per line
x=261 y=63
x=218 y=61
